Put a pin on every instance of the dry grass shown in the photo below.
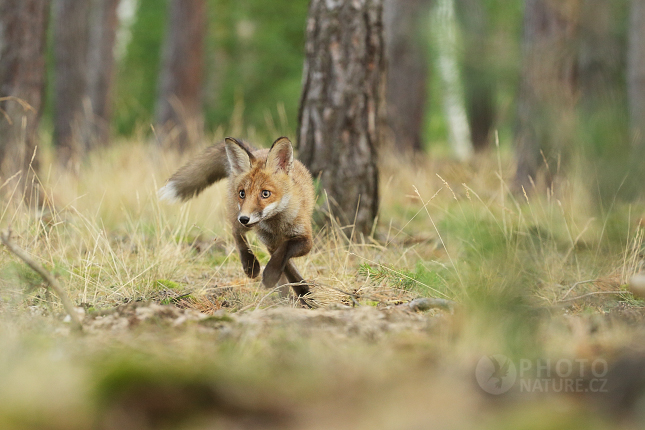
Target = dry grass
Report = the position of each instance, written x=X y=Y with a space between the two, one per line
x=225 y=353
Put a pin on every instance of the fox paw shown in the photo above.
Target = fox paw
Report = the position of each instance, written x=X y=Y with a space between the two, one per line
x=270 y=277
x=251 y=265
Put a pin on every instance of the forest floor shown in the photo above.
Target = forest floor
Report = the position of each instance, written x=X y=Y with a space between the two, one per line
x=530 y=323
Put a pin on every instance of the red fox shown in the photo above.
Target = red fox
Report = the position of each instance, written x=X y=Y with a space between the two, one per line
x=268 y=191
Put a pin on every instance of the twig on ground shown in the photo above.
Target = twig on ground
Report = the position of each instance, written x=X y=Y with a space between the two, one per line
x=592 y=294
x=53 y=283
x=575 y=285
x=420 y=304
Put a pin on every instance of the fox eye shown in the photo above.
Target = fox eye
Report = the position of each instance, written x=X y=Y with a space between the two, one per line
x=242 y=194
x=266 y=194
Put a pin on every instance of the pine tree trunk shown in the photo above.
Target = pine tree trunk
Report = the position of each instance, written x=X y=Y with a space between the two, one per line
x=636 y=74
x=340 y=110
x=601 y=55
x=23 y=25
x=407 y=70
x=179 y=106
x=71 y=30
x=545 y=117
x=101 y=70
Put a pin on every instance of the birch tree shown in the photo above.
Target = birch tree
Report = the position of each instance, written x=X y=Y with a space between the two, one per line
x=444 y=26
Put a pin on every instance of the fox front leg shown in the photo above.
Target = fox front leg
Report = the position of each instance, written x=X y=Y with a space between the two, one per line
x=250 y=263
x=280 y=259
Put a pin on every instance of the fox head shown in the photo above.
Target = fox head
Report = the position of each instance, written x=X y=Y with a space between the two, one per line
x=262 y=187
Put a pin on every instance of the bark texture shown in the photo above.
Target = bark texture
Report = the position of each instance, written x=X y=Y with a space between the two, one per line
x=101 y=70
x=71 y=34
x=179 y=105
x=23 y=25
x=340 y=110
x=407 y=70
x=601 y=53
x=636 y=74
x=548 y=87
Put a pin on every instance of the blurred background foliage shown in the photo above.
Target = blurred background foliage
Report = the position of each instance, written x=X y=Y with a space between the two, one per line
x=254 y=57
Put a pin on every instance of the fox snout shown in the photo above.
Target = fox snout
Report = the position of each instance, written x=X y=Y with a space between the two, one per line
x=249 y=219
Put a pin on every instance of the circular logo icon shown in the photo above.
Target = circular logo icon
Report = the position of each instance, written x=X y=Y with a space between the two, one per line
x=495 y=374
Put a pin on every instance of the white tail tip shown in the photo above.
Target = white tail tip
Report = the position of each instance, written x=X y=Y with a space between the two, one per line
x=168 y=193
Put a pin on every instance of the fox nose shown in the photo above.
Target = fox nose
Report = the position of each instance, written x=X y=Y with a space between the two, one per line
x=244 y=219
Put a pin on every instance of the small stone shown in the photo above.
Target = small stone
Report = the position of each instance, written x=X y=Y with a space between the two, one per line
x=637 y=285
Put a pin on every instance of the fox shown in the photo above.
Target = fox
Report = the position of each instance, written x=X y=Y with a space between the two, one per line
x=269 y=192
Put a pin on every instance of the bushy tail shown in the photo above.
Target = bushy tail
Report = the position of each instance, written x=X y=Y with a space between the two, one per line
x=210 y=166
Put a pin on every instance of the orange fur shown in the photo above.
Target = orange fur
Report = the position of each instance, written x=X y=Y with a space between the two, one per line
x=268 y=192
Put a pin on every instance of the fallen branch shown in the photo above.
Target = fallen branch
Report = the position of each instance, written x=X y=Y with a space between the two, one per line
x=53 y=283
x=575 y=285
x=592 y=294
x=417 y=305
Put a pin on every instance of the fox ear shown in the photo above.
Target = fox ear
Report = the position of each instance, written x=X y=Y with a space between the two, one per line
x=280 y=156
x=239 y=158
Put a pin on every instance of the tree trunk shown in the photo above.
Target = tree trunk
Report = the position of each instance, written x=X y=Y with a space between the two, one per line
x=179 y=106
x=340 y=109
x=636 y=74
x=71 y=26
x=23 y=25
x=600 y=56
x=101 y=70
x=545 y=116
x=407 y=70
x=445 y=30
x=479 y=81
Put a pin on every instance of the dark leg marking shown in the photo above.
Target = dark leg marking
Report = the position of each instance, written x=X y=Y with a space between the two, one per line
x=280 y=259
x=250 y=263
